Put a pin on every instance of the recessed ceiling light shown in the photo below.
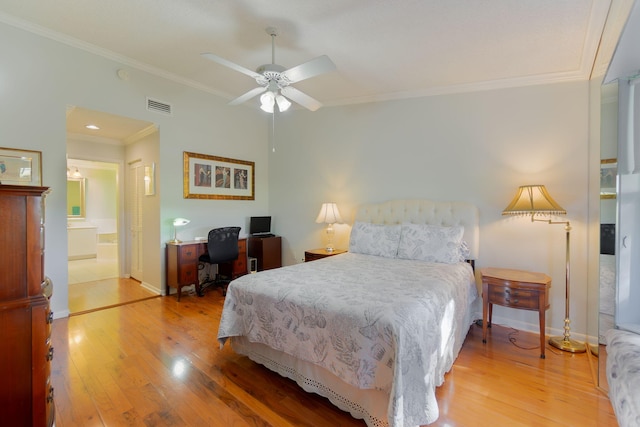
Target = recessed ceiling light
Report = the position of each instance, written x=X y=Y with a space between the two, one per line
x=92 y=127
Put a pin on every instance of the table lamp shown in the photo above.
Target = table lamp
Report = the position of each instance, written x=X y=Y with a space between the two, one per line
x=178 y=222
x=535 y=200
x=329 y=215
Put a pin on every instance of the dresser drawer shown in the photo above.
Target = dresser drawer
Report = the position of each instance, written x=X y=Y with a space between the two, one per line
x=240 y=264
x=513 y=297
x=48 y=321
x=189 y=253
x=240 y=267
x=189 y=274
x=49 y=407
x=308 y=256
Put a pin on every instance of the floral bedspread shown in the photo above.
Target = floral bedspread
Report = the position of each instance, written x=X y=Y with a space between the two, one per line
x=390 y=324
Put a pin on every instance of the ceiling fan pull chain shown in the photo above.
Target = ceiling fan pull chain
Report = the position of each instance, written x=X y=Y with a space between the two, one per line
x=273 y=132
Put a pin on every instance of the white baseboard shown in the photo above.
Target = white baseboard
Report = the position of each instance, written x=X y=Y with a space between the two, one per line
x=150 y=288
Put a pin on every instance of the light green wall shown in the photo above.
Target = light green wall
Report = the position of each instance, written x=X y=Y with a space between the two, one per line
x=478 y=147
x=40 y=77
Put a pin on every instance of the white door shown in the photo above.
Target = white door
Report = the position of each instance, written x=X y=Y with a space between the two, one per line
x=136 y=194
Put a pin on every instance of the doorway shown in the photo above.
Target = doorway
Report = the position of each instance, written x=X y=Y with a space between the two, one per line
x=99 y=268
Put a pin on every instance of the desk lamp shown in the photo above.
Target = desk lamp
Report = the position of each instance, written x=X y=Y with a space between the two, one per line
x=329 y=215
x=178 y=222
x=535 y=200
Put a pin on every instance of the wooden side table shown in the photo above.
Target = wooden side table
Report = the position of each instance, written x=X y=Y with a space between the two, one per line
x=516 y=289
x=314 y=254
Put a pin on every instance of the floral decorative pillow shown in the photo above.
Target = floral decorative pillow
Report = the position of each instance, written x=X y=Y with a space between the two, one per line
x=432 y=243
x=465 y=253
x=375 y=239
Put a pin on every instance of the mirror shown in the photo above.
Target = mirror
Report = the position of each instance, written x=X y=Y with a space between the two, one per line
x=608 y=156
x=75 y=198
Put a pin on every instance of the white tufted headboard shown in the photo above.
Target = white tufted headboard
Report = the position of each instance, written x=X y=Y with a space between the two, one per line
x=426 y=212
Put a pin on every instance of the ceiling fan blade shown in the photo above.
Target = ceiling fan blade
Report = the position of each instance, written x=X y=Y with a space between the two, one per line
x=247 y=96
x=301 y=98
x=321 y=64
x=226 y=63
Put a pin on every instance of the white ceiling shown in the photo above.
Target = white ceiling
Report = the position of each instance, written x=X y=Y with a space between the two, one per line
x=383 y=49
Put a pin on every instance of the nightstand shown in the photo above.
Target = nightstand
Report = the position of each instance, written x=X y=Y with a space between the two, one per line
x=516 y=289
x=314 y=254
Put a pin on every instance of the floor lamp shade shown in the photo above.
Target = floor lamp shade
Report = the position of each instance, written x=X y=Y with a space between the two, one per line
x=531 y=200
x=535 y=200
x=329 y=215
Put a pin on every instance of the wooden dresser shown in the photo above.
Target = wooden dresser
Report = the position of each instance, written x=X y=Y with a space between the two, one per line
x=26 y=394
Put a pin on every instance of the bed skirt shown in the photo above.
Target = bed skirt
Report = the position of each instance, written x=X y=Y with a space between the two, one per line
x=372 y=406
x=369 y=405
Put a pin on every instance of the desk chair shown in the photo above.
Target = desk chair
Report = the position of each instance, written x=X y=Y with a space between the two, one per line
x=222 y=249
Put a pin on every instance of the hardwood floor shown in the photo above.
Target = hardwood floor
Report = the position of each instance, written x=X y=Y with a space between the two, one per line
x=157 y=363
x=94 y=283
x=105 y=293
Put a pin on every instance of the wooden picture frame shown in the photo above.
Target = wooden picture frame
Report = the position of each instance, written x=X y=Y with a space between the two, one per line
x=20 y=167
x=608 y=178
x=213 y=177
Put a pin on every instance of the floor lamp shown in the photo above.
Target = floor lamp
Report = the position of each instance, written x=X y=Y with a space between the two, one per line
x=535 y=200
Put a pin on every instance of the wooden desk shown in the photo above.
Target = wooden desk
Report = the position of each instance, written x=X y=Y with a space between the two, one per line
x=516 y=289
x=182 y=263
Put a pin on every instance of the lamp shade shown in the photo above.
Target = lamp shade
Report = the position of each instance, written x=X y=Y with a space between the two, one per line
x=267 y=100
x=329 y=214
x=177 y=222
x=283 y=103
x=533 y=199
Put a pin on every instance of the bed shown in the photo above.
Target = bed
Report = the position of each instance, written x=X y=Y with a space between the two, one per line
x=375 y=329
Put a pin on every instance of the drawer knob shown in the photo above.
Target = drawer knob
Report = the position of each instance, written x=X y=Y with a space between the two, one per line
x=50 y=395
x=50 y=354
x=50 y=318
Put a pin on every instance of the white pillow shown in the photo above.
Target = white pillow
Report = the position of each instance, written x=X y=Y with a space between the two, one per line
x=432 y=243
x=375 y=239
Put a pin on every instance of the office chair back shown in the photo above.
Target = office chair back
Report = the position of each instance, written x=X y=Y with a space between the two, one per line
x=223 y=244
x=222 y=249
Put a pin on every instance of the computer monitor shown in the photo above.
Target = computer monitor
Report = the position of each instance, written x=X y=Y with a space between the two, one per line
x=259 y=225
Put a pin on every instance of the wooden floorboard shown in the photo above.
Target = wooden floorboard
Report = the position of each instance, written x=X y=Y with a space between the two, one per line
x=157 y=363
x=105 y=293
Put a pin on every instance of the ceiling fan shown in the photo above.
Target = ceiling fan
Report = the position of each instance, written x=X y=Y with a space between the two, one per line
x=275 y=81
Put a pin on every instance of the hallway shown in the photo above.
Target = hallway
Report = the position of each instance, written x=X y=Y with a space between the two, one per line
x=94 y=285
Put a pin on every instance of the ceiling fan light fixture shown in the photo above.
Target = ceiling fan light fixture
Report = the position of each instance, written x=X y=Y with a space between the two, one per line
x=267 y=100
x=273 y=78
x=283 y=103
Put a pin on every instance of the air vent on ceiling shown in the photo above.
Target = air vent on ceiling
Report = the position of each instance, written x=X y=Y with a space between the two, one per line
x=158 y=106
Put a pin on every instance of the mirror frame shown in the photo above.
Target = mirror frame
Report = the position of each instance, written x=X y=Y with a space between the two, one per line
x=81 y=197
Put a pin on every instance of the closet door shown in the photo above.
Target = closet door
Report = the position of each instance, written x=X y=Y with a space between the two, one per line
x=627 y=315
